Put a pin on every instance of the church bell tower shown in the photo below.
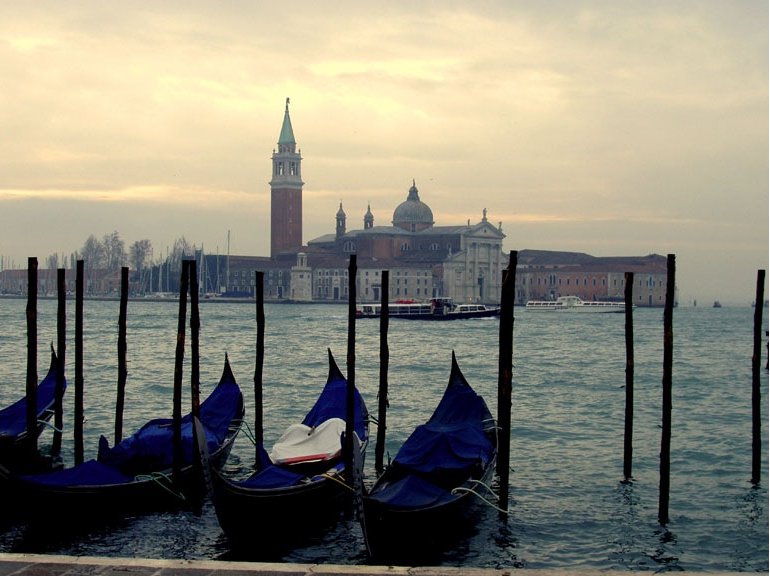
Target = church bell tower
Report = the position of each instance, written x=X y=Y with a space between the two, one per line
x=286 y=193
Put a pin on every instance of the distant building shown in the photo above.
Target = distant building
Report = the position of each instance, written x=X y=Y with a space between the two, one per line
x=546 y=275
x=463 y=261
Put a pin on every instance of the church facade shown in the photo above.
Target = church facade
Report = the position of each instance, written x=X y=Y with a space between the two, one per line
x=425 y=260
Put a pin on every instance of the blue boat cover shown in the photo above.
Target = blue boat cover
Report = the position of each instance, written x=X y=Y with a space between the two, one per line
x=442 y=453
x=150 y=449
x=13 y=418
x=412 y=492
x=332 y=403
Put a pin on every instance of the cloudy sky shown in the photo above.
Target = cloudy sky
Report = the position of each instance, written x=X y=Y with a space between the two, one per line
x=607 y=127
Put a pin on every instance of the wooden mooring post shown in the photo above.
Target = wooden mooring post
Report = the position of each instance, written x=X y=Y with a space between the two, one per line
x=351 y=368
x=756 y=361
x=203 y=487
x=382 y=395
x=351 y=376
x=668 y=356
x=61 y=349
x=628 y=446
x=78 y=423
x=195 y=330
x=178 y=366
x=505 y=378
x=122 y=352
x=31 y=383
x=259 y=363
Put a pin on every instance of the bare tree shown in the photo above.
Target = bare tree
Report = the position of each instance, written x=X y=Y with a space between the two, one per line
x=181 y=249
x=114 y=250
x=92 y=253
x=140 y=254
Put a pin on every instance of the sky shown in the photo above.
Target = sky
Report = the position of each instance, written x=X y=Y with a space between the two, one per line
x=610 y=127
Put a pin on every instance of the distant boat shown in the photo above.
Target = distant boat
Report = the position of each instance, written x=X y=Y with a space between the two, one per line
x=717 y=304
x=433 y=309
x=574 y=304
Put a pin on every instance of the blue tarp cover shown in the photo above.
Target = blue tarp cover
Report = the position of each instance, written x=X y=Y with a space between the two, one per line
x=442 y=453
x=332 y=403
x=412 y=492
x=150 y=449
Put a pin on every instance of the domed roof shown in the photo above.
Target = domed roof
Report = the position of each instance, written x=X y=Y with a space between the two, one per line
x=412 y=211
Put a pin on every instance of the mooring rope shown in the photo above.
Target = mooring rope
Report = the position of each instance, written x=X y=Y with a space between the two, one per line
x=249 y=434
x=460 y=489
x=158 y=478
x=337 y=480
x=47 y=423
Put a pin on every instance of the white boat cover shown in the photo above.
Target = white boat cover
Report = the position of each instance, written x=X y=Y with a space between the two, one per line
x=301 y=443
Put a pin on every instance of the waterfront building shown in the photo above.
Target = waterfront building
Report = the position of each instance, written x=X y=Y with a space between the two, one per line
x=464 y=262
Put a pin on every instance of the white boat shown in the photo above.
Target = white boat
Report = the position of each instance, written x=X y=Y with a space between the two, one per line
x=434 y=309
x=575 y=304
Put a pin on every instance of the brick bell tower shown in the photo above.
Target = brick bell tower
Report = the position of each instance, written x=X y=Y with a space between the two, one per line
x=286 y=193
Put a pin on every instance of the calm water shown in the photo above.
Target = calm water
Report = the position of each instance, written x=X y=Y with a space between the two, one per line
x=568 y=506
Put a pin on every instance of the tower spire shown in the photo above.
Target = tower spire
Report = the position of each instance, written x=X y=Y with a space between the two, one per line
x=286 y=141
x=286 y=192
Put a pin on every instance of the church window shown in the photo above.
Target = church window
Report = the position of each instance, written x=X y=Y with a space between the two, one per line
x=279 y=168
x=293 y=168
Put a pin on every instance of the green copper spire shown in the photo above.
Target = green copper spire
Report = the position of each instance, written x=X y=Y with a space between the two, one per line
x=287 y=134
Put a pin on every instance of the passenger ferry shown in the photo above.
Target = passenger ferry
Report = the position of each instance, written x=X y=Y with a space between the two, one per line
x=574 y=304
x=433 y=309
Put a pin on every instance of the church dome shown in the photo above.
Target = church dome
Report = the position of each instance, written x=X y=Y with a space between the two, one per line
x=413 y=214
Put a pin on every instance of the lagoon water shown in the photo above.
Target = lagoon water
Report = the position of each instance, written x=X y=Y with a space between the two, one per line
x=568 y=509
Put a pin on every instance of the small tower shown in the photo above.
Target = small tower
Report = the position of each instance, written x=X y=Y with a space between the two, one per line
x=286 y=192
x=368 y=218
x=340 y=222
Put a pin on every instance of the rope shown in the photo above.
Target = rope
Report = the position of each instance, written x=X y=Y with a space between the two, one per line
x=249 y=434
x=337 y=480
x=461 y=489
x=47 y=423
x=158 y=478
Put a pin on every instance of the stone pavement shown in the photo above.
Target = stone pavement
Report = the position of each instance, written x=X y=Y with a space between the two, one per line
x=48 y=565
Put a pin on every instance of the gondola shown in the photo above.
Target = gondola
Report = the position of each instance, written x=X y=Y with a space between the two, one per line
x=419 y=502
x=13 y=418
x=299 y=488
x=137 y=475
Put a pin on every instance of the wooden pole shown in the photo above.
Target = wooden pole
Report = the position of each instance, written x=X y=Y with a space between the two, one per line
x=668 y=356
x=382 y=395
x=628 y=447
x=505 y=377
x=756 y=360
x=351 y=366
x=195 y=329
x=31 y=388
x=178 y=366
x=61 y=345
x=122 y=351
x=202 y=487
x=78 y=423
x=259 y=434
